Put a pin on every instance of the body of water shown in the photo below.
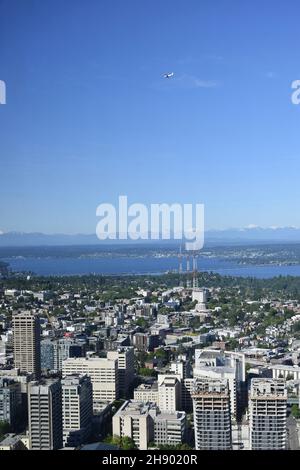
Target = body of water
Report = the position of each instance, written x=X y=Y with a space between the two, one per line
x=148 y=265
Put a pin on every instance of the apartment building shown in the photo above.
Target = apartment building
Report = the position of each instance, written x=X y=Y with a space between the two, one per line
x=212 y=415
x=267 y=410
x=102 y=371
x=45 y=415
x=77 y=408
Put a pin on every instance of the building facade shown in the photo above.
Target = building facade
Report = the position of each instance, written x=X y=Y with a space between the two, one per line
x=77 y=408
x=169 y=392
x=267 y=409
x=125 y=358
x=10 y=401
x=169 y=428
x=103 y=373
x=212 y=416
x=26 y=343
x=134 y=420
x=45 y=415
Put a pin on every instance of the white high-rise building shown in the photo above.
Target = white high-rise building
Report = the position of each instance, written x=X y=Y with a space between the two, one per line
x=169 y=393
x=212 y=417
x=103 y=373
x=77 y=407
x=221 y=373
x=267 y=409
x=26 y=343
x=45 y=415
x=228 y=365
x=125 y=358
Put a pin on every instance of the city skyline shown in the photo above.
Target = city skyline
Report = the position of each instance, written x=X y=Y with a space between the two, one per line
x=149 y=229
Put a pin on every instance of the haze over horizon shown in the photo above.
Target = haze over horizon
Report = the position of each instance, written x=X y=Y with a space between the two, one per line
x=233 y=236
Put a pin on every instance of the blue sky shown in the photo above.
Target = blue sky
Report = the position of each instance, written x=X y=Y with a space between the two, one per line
x=89 y=116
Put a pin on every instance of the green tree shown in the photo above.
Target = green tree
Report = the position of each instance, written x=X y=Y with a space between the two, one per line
x=142 y=322
x=147 y=372
x=4 y=428
x=125 y=442
x=295 y=411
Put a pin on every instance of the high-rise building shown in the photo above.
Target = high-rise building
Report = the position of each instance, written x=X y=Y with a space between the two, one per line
x=102 y=371
x=221 y=372
x=22 y=379
x=47 y=355
x=26 y=340
x=45 y=415
x=169 y=393
x=10 y=401
x=125 y=358
x=227 y=365
x=267 y=409
x=55 y=351
x=77 y=406
x=212 y=417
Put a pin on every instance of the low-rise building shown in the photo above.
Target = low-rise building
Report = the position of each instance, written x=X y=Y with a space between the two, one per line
x=134 y=420
x=169 y=428
x=146 y=393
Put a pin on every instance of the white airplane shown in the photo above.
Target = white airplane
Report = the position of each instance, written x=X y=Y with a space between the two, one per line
x=168 y=75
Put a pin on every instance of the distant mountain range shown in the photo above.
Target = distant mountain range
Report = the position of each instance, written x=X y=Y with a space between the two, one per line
x=251 y=234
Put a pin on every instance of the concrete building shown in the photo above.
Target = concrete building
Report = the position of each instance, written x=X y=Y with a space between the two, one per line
x=228 y=365
x=222 y=373
x=26 y=343
x=282 y=371
x=181 y=368
x=169 y=428
x=77 y=408
x=10 y=402
x=103 y=373
x=169 y=393
x=125 y=358
x=45 y=415
x=3 y=357
x=199 y=295
x=146 y=393
x=212 y=416
x=241 y=436
x=267 y=410
x=134 y=420
x=12 y=442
